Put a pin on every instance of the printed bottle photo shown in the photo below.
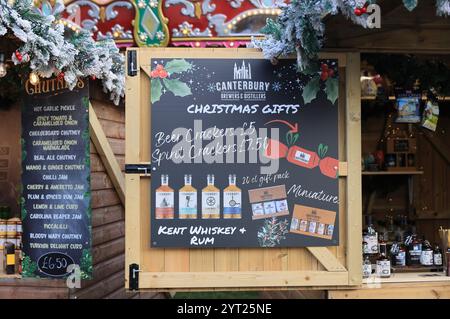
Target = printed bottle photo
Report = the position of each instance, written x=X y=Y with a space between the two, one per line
x=232 y=197
x=164 y=199
x=383 y=267
x=187 y=200
x=210 y=200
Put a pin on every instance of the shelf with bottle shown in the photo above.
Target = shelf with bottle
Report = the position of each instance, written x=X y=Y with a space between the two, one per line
x=405 y=253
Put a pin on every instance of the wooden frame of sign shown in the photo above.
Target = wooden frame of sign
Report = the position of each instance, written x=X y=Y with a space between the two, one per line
x=242 y=268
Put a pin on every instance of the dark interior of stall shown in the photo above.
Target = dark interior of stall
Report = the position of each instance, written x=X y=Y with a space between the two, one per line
x=405 y=113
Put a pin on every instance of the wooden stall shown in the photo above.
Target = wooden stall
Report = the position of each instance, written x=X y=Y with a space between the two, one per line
x=107 y=125
x=239 y=268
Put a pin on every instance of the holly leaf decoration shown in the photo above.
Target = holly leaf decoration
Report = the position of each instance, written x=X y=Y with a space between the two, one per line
x=332 y=89
x=177 y=87
x=322 y=151
x=156 y=90
x=178 y=66
x=311 y=89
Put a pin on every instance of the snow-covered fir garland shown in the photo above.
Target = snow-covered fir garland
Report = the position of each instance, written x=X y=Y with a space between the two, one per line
x=53 y=49
x=299 y=28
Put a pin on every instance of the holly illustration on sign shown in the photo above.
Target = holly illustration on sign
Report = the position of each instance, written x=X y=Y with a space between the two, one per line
x=161 y=81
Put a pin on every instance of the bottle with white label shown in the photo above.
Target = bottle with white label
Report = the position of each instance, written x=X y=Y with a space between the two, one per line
x=437 y=256
x=383 y=268
x=164 y=200
x=210 y=200
x=370 y=236
x=426 y=257
x=187 y=203
x=367 y=267
x=232 y=197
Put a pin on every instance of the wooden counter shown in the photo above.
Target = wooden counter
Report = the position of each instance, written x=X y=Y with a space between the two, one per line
x=399 y=286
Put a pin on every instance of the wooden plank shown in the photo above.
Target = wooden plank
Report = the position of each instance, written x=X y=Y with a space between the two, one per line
x=108 y=232
x=354 y=186
x=243 y=279
x=105 y=110
x=107 y=215
x=100 y=181
x=24 y=292
x=251 y=259
x=104 y=198
x=104 y=269
x=102 y=288
x=106 y=154
x=226 y=259
x=326 y=258
x=108 y=250
x=113 y=129
x=343 y=169
x=117 y=145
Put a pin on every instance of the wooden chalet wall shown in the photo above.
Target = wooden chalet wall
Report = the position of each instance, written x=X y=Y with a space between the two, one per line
x=108 y=215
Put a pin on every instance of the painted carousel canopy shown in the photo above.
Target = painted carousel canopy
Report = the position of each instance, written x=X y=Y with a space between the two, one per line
x=196 y=23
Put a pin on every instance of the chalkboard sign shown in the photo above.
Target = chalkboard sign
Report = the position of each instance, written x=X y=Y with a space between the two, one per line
x=56 y=196
x=243 y=153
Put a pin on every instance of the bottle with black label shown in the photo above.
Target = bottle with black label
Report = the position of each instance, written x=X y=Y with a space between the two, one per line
x=400 y=254
x=383 y=268
x=426 y=258
x=370 y=236
x=414 y=250
x=437 y=257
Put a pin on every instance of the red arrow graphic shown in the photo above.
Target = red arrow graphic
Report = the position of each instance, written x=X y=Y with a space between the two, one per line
x=293 y=128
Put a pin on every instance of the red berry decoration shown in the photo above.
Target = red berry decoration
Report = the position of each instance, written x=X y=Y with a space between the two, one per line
x=330 y=73
x=324 y=76
x=163 y=74
x=324 y=67
x=93 y=77
x=154 y=74
x=61 y=75
x=18 y=56
x=358 y=12
x=363 y=10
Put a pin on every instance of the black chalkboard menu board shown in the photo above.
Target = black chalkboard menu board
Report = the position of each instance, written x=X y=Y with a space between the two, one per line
x=56 y=196
x=244 y=153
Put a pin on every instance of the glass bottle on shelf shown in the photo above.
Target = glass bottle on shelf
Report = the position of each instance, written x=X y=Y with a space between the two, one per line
x=414 y=250
x=232 y=198
x=383 y=267
x=187 y=199
x=426 y=257
x=399 y=253
x=367 y=266
x=370 y=236
x=437 y=256
x=164 y=200
x=210 y=200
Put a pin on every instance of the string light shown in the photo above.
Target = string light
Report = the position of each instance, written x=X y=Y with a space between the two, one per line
x=2 y=65
x=34 y=78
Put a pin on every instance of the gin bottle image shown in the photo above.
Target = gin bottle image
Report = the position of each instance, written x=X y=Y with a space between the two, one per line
x=210 y=200
x=187 y=200
x=164 y=199
x=232 y=197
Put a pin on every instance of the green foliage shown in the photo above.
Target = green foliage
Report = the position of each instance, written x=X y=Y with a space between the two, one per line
x=29 y=267
x=156 y=90
x=299 y=29
x=311 y=89
x=178 y=66
x=86 y=264
x=273 y=28
x=49 y=48
x=291 y=138
x=177 y=87
x=322 y=150
x=272 y=232
x=332 y=89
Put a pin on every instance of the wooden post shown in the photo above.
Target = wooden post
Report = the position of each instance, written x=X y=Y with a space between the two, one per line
x=354 y=186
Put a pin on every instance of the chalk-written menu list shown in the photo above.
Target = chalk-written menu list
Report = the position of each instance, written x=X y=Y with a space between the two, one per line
x=55 y=179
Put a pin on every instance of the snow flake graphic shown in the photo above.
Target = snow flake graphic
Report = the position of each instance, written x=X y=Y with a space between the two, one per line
x=211 y=87
x=276 y=86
